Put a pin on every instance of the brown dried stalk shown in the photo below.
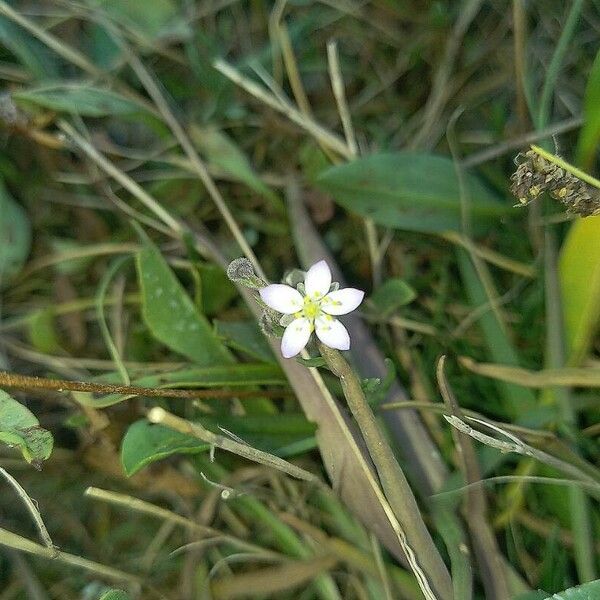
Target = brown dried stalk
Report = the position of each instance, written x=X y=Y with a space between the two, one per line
x=26 y=382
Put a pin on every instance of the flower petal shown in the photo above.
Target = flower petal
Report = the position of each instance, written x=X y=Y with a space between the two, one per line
x=282 y=298
x=342 y=302
x=332 y=333
x=295 y=337
x=318 y=279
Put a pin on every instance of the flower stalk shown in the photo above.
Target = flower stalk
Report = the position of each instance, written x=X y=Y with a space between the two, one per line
x=423 y=556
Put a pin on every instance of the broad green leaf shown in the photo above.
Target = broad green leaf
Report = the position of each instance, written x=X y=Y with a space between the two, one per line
x=222 y=152
x=410 y=190
x=589 y=136
x=15 y=236
x=579 y=270
x=391 y=295
x=246 y=337
x=145 y=443
x=19 y=427
x=171 y=315
x=241 y=375
x=586 y=591
x=79 y=99
x=115 y=594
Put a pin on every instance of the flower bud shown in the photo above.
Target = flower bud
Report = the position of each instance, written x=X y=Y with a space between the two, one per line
x=241 y=271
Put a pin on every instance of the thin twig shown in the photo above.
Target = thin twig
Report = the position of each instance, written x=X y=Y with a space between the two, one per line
x=128 y=183
x=31 y=507
x=499 y=260
x=519 y=25
x=141 y=506
x=60 y=385
x=69 y=54
x=337 y=84
x=439 y=88
x=17 y=542
x=593 y=489
x=316 y=130
x=159 y=415
x=519 y=447
x=567 y=376
x=556 y=61
x=517 y=143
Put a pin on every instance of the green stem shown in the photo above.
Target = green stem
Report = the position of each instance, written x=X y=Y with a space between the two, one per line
x=422 y=554
x=567 y=166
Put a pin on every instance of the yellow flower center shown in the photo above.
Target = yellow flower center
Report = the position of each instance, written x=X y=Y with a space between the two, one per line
x=311 y=308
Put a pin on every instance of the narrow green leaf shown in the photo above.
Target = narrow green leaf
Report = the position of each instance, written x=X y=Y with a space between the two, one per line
x=171 y=315
x=29 y=51
x=517 y=399
x=105 y=280
x=452 y=531
x=589 y=136
x=78 y=98
x=241 y=375
x=15 y=236
x=222 y=152
x=19 y=427
x=410 y=190
x=246 y=374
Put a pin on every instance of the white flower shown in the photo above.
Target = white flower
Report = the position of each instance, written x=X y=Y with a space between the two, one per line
x=314 y=311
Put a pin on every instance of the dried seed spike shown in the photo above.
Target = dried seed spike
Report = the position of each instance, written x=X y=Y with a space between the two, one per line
x=535 y=175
